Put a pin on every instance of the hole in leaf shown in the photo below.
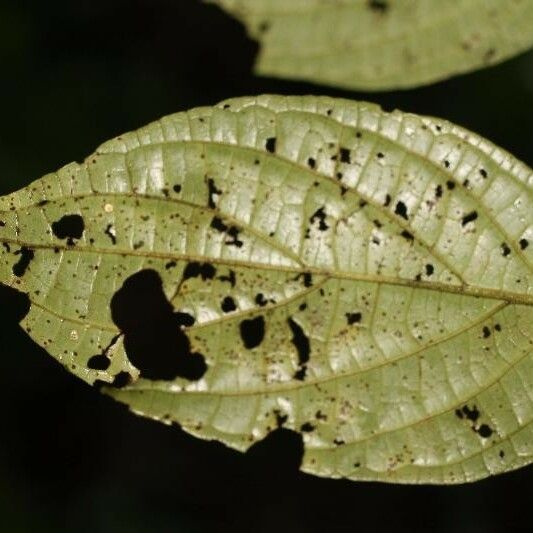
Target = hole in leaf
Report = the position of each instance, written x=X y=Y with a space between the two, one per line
x=153 y=336
x=303 y=348
x=69 y=227
x=228 y=304
x=270 y=144
x=26 y=256
x=252 y=332
x=98 y=362
x=281 y=447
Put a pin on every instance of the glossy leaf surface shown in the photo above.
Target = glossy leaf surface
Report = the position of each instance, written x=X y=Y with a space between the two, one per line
x=360 y=277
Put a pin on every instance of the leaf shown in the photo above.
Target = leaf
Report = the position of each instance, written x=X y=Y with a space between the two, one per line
x=360 y=277
x=378 y=45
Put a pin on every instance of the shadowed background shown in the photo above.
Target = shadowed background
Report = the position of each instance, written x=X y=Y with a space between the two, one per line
x=74 y=74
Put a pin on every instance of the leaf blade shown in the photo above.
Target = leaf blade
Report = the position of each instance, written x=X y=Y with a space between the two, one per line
x=375 y=46
x=396 y=329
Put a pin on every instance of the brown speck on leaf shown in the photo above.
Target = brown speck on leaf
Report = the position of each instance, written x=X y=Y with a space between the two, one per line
x=378 y=6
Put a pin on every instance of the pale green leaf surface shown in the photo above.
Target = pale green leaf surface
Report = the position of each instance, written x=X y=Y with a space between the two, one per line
x=385 y=44
x=411 y=314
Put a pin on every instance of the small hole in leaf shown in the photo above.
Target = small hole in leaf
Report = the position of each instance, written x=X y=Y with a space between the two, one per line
x=26 y=257
x=270 y=144
x=228 y=304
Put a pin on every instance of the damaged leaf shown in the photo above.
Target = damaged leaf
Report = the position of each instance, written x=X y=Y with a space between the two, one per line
x=360 y=278
x=385 y=44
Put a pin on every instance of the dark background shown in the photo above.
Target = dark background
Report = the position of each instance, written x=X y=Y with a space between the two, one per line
x=72 y=75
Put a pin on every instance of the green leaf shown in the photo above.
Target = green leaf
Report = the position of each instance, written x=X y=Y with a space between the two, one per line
x=378 y=45
x=363 y=278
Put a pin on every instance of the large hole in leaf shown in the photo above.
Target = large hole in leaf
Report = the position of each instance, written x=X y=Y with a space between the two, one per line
x=69 y=227
x=17 y=302
x=154 y=338
x=280 y=451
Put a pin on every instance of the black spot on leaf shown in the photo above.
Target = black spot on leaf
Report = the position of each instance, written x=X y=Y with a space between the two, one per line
x=307 y=278
x=353 y=318
x=483 y=172
x=194 y=270
x=264 y=26
x=176 y=188
x=231 y=278
x=401 y=210
x=307 y=427
x=524 y=243
x=213 y=193
x=110 y=232
x=505 y=249
x=252 y=332
x=438 y=191
x=233 y=234
x=486 y=332
x=311 y=162
x=319 y=215
x=217 y=224
x=184 y=319
x=69 y=227
x=450 y=185
x=154 y=338
x=471 y=414
x=469 y=217
x=231 y=231
x=345 y=155
x=379 y=6
x=407 y=235
x=26 y=257
x=261 y=300
x=484 y=431
x=429 y=269
x=122 y=379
